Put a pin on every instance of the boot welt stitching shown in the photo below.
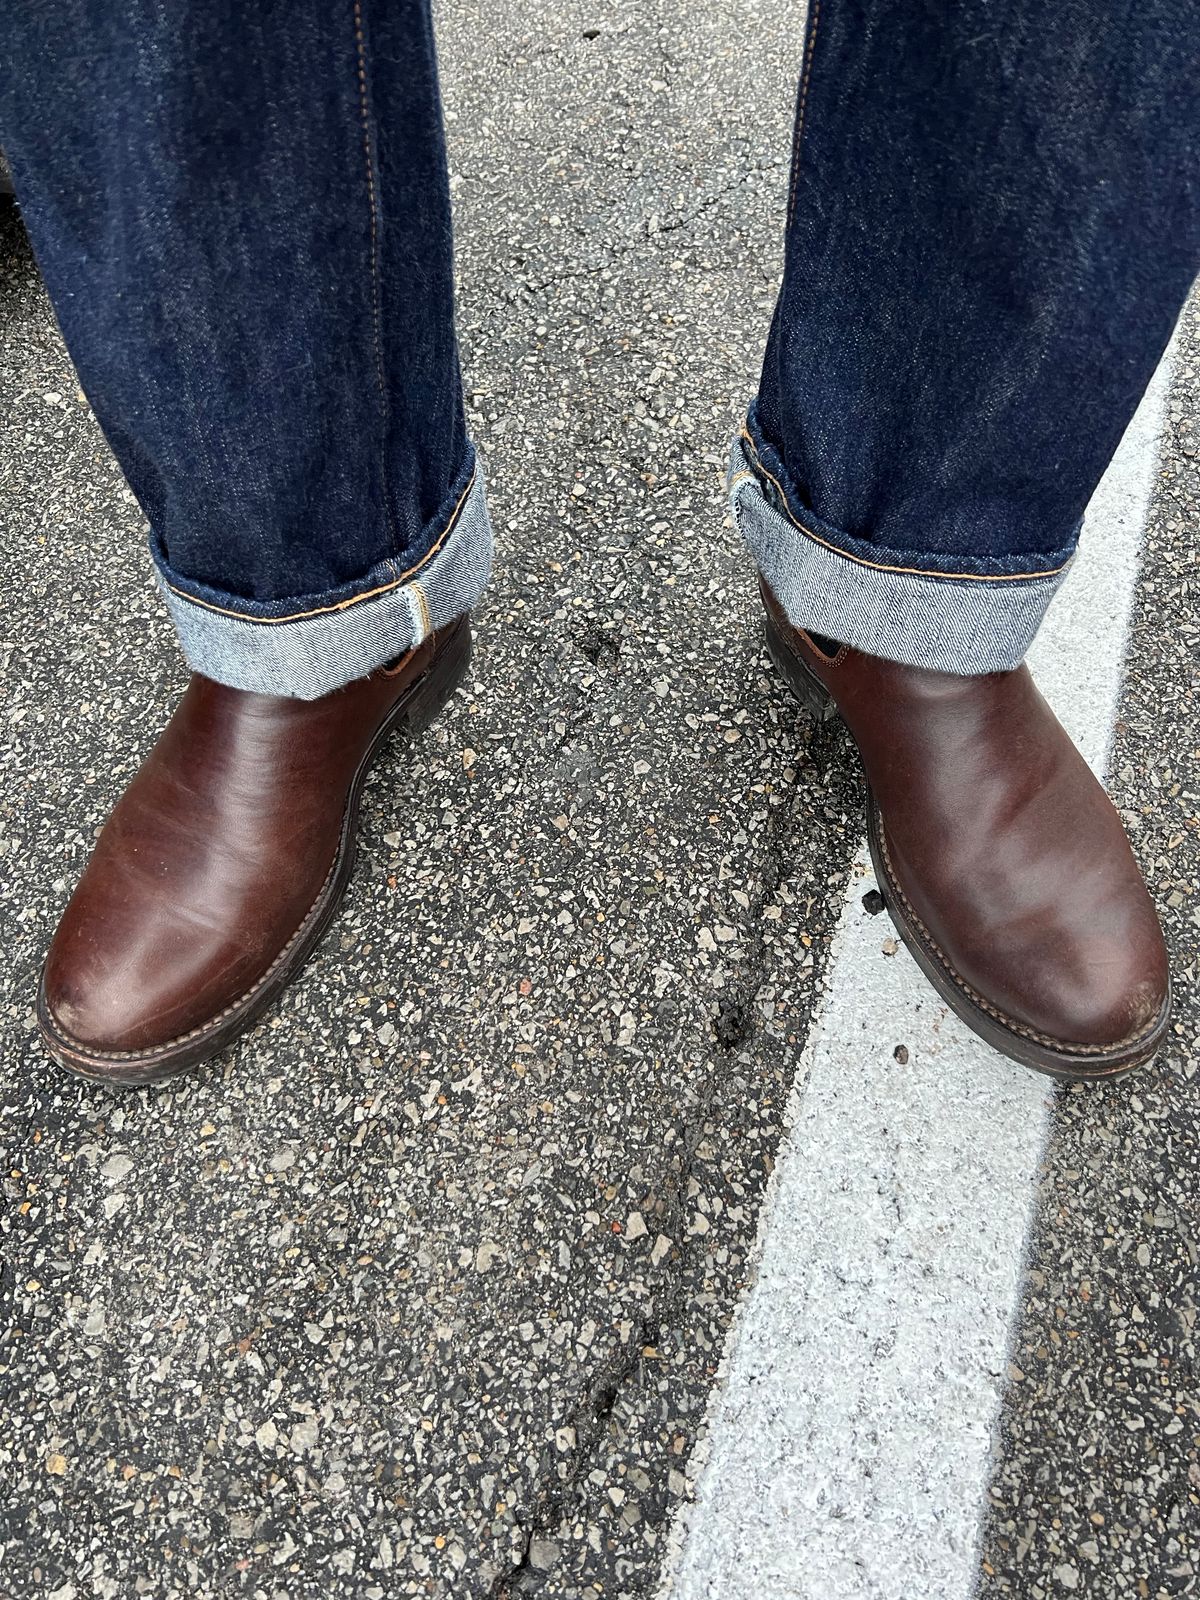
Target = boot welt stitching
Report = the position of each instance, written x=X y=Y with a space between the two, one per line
x=985 y=1005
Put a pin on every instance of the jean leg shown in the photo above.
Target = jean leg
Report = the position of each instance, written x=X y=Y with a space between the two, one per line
x=994 y=219
x=242 y=215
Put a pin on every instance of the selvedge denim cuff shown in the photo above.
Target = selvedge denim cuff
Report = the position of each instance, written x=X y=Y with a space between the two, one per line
x=308 y=646
x=965 y=623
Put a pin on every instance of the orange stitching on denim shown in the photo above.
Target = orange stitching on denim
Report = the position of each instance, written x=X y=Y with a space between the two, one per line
x=341 y=605
x=880 y=566
x=395 y=670
x=812 y=45
x=376 y=301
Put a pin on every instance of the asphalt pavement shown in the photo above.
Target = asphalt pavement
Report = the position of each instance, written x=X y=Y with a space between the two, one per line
x=423 y=1289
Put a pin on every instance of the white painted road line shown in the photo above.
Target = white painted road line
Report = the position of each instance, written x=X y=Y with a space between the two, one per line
x=848 y=1441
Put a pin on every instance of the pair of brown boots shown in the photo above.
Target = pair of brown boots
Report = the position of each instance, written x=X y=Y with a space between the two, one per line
x=1001 y=859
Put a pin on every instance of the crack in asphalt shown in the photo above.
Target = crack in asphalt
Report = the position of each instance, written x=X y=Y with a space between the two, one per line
x=733 y=1027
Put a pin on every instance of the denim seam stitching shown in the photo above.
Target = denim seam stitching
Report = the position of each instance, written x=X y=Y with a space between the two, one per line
x=812 y=45
x=376 y=300
x=419 y=595
x=879 y=566
x=974 y=995
x=342 y=605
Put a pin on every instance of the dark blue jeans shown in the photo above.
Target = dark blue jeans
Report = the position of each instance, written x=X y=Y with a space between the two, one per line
x=242 y=216
x=993 y=221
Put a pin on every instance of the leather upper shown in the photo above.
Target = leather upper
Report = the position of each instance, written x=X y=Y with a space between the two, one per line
x=212 y=858
x=1004 y=844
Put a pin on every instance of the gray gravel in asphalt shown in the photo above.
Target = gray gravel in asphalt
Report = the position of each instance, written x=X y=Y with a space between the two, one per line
x=1097 y=1488
x=420 y=1291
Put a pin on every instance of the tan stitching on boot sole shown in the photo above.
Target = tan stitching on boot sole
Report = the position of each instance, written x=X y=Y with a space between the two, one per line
x=977 y=999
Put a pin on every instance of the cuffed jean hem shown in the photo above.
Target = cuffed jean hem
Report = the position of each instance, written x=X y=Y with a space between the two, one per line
x=956 y=623
x=311 y=647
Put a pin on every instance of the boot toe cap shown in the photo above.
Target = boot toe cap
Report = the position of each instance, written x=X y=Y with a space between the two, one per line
x=109 y=997
x=1117 y=1000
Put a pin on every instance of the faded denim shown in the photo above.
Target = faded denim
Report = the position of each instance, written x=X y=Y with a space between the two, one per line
x=962 y=625
x=330 y=638
x=993 y=221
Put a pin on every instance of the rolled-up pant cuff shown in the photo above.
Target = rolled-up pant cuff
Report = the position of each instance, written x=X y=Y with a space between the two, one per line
x=310 y=645
x=950 y=622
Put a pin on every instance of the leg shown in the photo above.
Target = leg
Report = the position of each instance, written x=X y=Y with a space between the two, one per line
x=993 y=223
x=243 y=220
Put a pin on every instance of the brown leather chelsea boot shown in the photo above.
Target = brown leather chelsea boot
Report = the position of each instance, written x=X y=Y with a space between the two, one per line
x=1001 y=859
x=222 y=865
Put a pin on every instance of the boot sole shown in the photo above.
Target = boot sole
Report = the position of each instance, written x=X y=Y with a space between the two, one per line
x=416 y=709
x=1055 y=1058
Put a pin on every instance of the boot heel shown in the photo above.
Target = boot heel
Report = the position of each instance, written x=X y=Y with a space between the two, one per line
x=448 y=670
x=803 y=682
